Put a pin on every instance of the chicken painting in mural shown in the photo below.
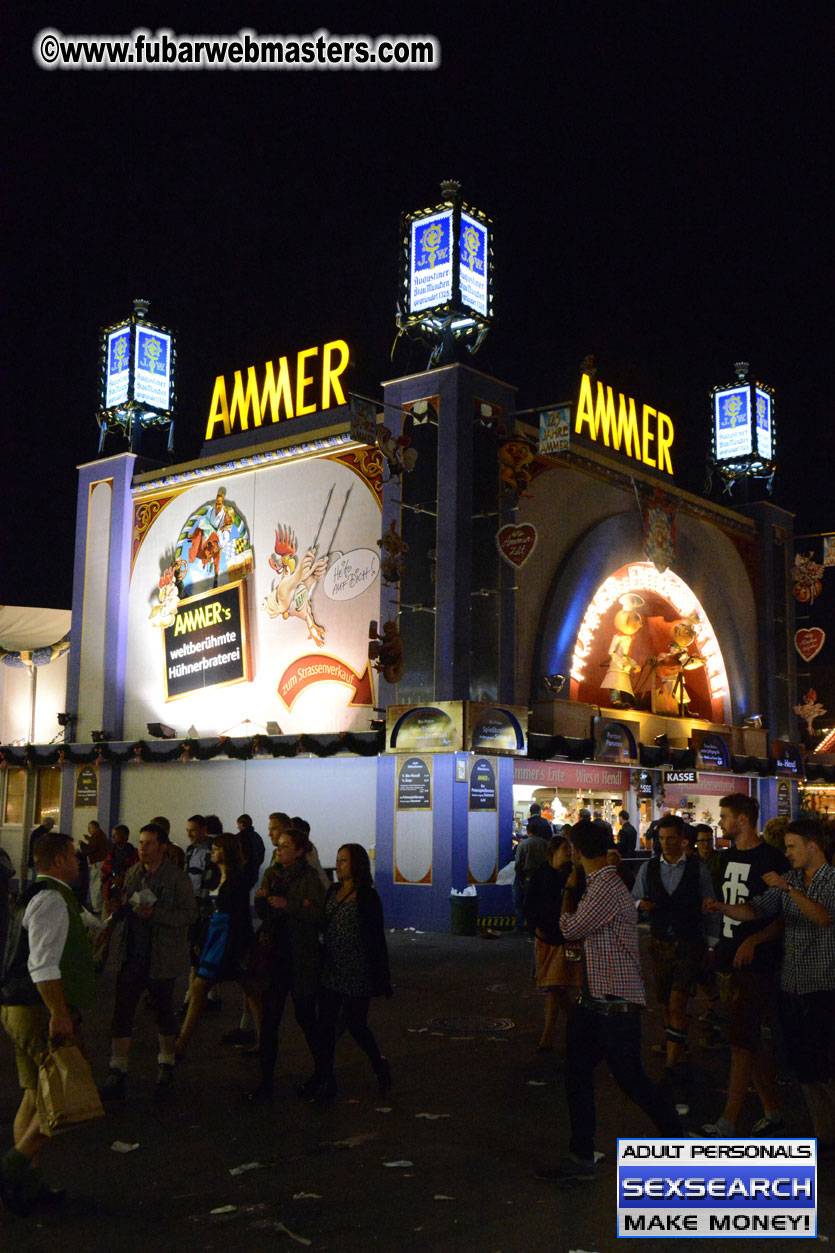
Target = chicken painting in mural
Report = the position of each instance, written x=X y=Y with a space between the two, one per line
x=291 y=593
x=165 y=611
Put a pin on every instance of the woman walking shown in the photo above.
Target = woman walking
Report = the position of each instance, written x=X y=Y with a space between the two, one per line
x=229 y=936
x=556 y=974
x=290 y=903
x=356 y=967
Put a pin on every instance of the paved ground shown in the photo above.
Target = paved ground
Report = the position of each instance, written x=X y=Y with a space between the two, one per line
x=468 y=1185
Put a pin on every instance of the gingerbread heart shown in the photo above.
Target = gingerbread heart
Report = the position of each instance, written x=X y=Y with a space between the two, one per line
x=516 y=543
x=809 y=641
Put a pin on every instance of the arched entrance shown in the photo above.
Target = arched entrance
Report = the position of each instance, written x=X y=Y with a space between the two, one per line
x=665 y=600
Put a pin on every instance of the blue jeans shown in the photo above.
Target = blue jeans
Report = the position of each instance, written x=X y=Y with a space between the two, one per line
x=593 y=1037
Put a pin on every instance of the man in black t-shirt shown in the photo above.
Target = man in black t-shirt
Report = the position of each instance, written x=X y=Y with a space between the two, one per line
x=747 y=963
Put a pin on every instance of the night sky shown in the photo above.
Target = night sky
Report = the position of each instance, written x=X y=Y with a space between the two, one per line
x=659 y=176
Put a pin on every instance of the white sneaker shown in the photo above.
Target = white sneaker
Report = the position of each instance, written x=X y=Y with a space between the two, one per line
x=766 y=1126
x=713 y=1129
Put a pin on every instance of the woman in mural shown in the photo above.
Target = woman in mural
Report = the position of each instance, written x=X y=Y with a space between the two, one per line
x=229 y=936
x=556 y=975
x=356 y=967
x=290 y=903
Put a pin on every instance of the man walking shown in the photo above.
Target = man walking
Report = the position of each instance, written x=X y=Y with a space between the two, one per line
x=531 y=853
x=804 y=899
x=152 y=951
x=48 y=978
x=599 y=821
x=671 y=889
x=606 y=1023
x=44 y=829
x=117 y=863
x=537 y=825
x=747 y=958
x=627 y=840
x=204 y=875
x=253 y=850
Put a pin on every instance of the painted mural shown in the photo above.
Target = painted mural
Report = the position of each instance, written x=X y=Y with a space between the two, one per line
x=299 y=542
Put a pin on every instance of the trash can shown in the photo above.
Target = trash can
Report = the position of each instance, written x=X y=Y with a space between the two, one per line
x=463 y=915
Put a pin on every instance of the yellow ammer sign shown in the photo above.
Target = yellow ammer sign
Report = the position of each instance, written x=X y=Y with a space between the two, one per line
x=649 y=441
x=311 y=383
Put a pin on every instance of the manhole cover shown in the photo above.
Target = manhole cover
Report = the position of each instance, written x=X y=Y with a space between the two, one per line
x=469 y=1024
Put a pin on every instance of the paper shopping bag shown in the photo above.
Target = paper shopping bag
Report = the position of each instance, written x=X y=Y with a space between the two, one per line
x=67 y=1093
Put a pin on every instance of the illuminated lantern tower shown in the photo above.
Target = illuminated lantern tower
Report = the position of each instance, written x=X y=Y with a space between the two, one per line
x=743 y=430
x=446 y=276
x=455 y=599
x=137 y=375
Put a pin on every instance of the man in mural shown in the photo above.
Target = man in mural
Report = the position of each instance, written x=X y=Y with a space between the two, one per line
x=606 y=1023
x=290 y=596
x=152 y=952
x=211 y=533
x=671 y=889
x=747 y=959
x=213 y=543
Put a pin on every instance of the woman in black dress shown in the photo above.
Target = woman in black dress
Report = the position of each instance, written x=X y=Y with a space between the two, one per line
x=558 y=973
x=356 y=967
x=229 y=936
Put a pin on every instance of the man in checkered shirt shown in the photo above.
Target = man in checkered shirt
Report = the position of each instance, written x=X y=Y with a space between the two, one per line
x=804 y=898
x=606 y=1023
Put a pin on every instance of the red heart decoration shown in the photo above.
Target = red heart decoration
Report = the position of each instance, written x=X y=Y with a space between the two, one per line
x=809 y=642
x=516 y=543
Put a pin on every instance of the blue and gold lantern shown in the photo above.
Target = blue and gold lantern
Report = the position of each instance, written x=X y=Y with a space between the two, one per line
x=446 y=276
x=743 y=441
x=137 y=376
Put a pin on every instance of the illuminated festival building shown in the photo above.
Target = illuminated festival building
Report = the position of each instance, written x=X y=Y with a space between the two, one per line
x=407 y=618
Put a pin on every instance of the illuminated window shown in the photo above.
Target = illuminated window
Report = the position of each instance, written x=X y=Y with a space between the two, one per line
x=13 y=804
x=49 y=795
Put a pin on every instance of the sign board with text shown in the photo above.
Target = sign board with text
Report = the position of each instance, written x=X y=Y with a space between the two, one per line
x=616 y=740
x=759 y=1188
x=86 y=787
x=414 y=784
x=208 y=644
x=482 y=785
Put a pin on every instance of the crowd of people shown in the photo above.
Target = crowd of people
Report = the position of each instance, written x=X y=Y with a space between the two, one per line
x=750 y=927
x=160 y=913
